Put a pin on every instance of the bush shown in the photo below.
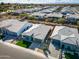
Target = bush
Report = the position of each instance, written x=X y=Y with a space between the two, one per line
x=23 y=14
x=31 y=18
x=69 y=56
x=1 y=37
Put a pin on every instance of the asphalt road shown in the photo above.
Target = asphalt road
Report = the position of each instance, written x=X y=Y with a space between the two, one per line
x=8 y=52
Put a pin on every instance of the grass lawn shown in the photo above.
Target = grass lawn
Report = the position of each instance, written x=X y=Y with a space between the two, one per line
x=23 y=43
x=69 y=56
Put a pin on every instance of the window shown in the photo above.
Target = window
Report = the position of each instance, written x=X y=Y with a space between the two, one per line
x=68 y=48
x=63 y=46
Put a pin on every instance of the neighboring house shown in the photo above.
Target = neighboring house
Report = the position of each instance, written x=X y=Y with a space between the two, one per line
x=67 y=10
x=65 y=38
x=47 y=11
x=72 y=19
x=37 y=32
x=54 y=15
x=30 y=10
x=38 y=15
x=14 y=27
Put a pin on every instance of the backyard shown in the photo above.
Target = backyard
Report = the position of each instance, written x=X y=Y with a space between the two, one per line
x=23 y=43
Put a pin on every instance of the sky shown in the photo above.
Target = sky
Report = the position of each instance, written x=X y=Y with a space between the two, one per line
x=40 y=1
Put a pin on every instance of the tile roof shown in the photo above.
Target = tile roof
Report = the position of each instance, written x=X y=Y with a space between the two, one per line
x=39 y=30
x=65 y=34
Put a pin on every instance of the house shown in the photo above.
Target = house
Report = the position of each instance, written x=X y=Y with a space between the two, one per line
x=72 y=18
x=30 y=10
x=67 y=10
x=54 y=16
x=19 y=11
x=47 y=11
x=38 y=15
x=54 y=8
x=14 y=27
x=37 y=32
x=65 y=38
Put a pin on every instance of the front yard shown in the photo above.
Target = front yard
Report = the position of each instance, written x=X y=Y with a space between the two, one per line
x=23 y=43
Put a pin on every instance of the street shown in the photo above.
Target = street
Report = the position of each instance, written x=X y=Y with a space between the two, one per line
x=10 y=52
